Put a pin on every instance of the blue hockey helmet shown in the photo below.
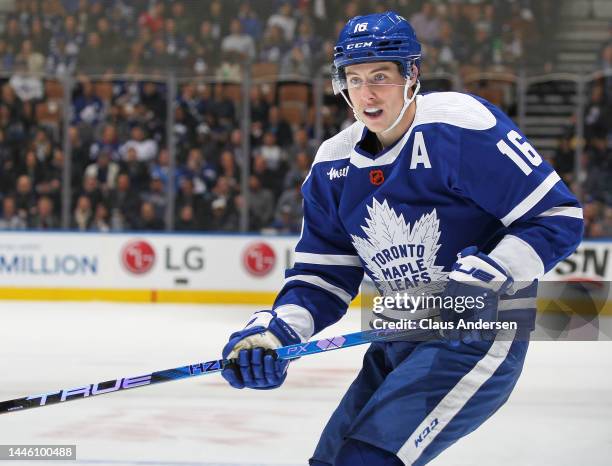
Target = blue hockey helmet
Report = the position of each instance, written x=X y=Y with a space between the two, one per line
x=378 y=37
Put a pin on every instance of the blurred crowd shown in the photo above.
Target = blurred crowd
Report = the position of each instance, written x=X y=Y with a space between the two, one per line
x=119 y=168
x=214 y=37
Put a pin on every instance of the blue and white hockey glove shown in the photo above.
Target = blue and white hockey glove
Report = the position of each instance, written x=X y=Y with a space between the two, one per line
x=475 y=284
x=252 y=347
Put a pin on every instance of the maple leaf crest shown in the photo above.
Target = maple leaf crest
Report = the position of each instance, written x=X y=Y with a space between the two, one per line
x=384 y=229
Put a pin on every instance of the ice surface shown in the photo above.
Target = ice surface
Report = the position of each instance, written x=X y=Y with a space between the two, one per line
x=559 y=414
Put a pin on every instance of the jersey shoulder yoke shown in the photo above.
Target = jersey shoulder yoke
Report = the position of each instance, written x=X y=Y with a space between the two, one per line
x=341 y=145
x=456 y=109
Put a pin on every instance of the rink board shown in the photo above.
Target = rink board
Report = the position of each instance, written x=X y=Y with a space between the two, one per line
x=188 y=268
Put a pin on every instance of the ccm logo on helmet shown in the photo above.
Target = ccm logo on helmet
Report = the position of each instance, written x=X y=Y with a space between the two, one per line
x=359 y=45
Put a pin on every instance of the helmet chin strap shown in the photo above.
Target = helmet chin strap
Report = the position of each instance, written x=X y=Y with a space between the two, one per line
x=407 y=102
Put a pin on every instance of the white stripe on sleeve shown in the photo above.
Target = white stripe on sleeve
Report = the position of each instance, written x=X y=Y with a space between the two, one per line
x=318 y=281
x=574 y=212
x=532 y=199
x=327 y=259
x=519 y=259
x=298 y=318
x=456 y=398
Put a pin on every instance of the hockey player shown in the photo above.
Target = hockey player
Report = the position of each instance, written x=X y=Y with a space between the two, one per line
x=421 y=189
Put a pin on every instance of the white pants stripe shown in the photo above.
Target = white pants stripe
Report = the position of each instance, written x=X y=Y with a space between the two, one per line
x=457 y=397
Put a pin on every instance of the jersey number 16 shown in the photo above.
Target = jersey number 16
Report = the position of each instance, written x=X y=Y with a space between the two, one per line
x=524 y=147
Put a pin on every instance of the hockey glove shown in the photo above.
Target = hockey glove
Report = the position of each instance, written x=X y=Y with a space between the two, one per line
x=475 y=284
x=256 y=364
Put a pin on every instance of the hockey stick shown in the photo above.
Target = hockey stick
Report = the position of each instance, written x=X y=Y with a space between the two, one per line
x=192 y=370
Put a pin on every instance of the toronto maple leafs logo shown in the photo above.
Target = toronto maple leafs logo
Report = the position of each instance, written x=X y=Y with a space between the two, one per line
x=401 y=259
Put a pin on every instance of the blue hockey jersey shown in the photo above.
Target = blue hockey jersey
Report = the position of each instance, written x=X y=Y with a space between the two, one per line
x=463 y=174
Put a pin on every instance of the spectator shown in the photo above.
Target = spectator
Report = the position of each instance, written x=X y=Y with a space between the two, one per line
x=186 y=220
x=176 y=44
x=289 y=210
x=267 y=177
x=598 y=117
x=27 y=87
x=146 y=148
x=32 y=168
x=279 y=127
x=104 y=170
x=306 y=40
x=87 y=107
x=237 y=42
x=299 y=170
x=204 y=45
x=154 y=102
x=137 y=171
x=101 y=221
x=481 y=54
x=60 y=61
x=426 y=24
x=51 y=181
x=187 y=196
x=80 y=154
x=284 y=19
x=153 y=19
x=148 y=220
x=25 y=200
x=223 y=189
x=107 y=37
x=44 y=218
x=285 y=222
x=96 y=56
x=124 y=204
x=156 y=196
x=606 y=223
x=272 y=153
x=202 y=174
x=156 y=57
x=261 y=204
x=249 y=20
x=564 y=159
x=296 y=63
x=259 y=106
x=302 y=143
x=229 y=170
x=39 y=36
x=184 y=22
x=68 y=38
x=7 y=58
x=160 y=167
x=92 y=190
x=10 y=219
x=216 y=17
x=83 y=214
x=109 y=143
x=29 y=60
x=235 y=146
x=222 y=217
x=42 y=146
x=274 y=46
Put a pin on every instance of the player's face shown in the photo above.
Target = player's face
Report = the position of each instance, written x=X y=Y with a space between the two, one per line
x=376 y=91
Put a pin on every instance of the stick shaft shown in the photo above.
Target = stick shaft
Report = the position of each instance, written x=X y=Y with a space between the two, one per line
x=183 y=372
